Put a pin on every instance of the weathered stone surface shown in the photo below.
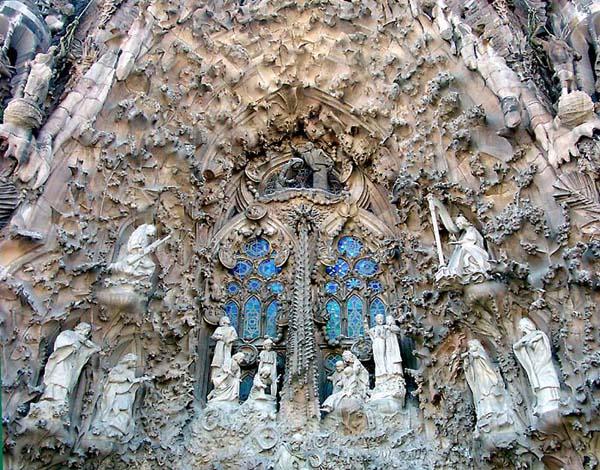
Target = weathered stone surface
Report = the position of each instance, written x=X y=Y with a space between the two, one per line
x=303 y=170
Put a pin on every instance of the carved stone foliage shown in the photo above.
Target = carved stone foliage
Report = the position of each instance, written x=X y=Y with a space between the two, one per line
x=305 y=235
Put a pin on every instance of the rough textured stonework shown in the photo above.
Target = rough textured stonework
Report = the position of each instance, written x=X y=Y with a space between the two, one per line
x=316 y=234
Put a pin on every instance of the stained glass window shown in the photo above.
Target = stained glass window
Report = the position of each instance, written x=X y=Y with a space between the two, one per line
x=252 y=309
x=355 y=317
x=246 y=386
x=329 y=370
x=350 y=246
x=352 y=289
x=232 y=310
x=253 y=290
x=334 y=324
x=377 y=307
x=271 y=322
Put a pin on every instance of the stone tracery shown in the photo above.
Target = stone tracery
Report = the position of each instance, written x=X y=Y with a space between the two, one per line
x=288 y=172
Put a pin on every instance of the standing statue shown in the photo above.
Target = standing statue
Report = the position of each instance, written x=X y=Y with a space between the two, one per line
x=392 y=347
x=534 y=354
x=72 y=350
x=38 y=81
x=224 y=335
x=389 y=380
x=337 y=380
x=469 y=262
x=265 y=379
x=115 y=414
x=268 y=360
x=386 y=350
x=226 y=381
x=489 y=393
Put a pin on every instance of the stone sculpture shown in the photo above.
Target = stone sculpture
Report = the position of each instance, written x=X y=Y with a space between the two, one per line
x=354 y=387
x=196 y=116
x=225 y=335
x=72 y=350
x=25 y=113
x=268 y=360
x=469 y=262
x=130 y=276
x=502 y=81
x=563 y=57
x=226 y=382
x=264 y=386
x=389 y=382
x=136 y=263
x=114 y=418
x=492 y=405
x=337 y=380
x=534 y=354
x=38 y=81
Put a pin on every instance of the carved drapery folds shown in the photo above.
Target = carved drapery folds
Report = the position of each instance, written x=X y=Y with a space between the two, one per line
x=272 y=164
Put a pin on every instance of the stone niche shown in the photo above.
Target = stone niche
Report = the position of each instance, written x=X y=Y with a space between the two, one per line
x=307 y=235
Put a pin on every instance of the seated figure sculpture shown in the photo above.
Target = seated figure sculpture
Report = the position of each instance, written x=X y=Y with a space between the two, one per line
x=469 y=262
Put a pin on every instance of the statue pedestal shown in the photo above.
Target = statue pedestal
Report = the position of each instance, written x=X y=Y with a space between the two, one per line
x=266 y=404
x=121 y=298
x=48 y=418
x=225 y=407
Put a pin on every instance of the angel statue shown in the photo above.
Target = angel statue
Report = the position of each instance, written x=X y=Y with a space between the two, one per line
x=469 y=262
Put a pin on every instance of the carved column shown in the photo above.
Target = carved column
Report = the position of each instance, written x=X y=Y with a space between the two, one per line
x=300 y=391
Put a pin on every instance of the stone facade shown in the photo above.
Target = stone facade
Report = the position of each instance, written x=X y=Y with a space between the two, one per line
x=313 y=234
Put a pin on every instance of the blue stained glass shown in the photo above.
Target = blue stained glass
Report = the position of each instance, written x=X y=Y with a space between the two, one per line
x=271 y=327
x=232 y=311
x=377 y=306
x=246 y=386
x=233 y=288
x=331 y=287
x=330 y=368
x=334 y=324
x=267 y=268
x=276 y=287
x=339 y=269
x=350 y=246
x=355 y=317
x=254 y=284
x=242 y=269
x=257 y=248
x=252 y=309
x=331 y=360
x=366 y=267
x=353 y=283
x=375 y=287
